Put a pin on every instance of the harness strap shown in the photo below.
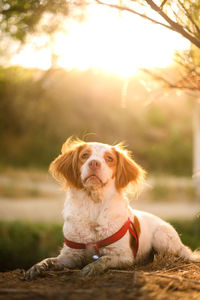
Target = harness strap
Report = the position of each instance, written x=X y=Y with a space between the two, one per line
x=129 y=225
x=133 y=232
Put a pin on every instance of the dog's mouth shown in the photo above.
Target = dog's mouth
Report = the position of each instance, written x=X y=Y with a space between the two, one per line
x=93 y=179
x=93 y=185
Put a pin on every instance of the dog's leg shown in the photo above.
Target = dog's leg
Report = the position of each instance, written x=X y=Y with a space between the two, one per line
x=39 y=268
x=68 y=259
x=104 y=263
x=167 y=241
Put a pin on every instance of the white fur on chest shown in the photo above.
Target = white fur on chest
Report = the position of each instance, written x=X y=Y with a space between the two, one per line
x=87 y=221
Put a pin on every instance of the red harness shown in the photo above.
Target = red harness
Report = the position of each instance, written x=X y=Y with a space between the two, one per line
x=129 y=225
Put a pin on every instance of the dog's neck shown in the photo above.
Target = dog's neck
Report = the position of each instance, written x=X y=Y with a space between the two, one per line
x=95 y=203
x=90 y=220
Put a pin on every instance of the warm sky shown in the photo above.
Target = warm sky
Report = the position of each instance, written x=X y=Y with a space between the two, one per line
x=113 y=42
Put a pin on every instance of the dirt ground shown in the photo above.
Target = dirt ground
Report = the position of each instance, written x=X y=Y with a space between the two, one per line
x=164 y=279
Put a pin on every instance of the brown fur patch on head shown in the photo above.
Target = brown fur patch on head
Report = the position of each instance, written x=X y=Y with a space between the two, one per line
x=66 y=167
x=111 y=160
x=127 y=170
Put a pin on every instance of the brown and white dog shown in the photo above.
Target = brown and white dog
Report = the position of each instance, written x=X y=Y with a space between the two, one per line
x=96 y=177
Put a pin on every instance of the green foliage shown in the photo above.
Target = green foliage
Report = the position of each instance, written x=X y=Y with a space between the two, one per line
x=39 y=110
x=189 y=232
x=192 y=16
x=19 y=17
x=166 y=192
x=23 y=244
x=168 y=140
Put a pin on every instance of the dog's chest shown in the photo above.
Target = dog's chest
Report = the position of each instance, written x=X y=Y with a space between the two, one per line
x=86 y=221
x=84 y=228
x=90 y=225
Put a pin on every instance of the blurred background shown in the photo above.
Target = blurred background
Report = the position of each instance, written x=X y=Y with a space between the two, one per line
x=103 y=72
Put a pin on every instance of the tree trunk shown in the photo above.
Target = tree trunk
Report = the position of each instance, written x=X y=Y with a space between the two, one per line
x=196 y=147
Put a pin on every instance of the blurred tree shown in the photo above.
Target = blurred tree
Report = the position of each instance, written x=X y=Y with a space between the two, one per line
x=183 y=17
x=19 y=17
x=38 y=112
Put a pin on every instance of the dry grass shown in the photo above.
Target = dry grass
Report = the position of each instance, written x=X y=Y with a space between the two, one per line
x=166 y=278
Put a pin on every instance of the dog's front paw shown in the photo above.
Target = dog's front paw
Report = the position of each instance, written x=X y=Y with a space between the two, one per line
x=34 y=272
x=40 y=268
x=92 y=269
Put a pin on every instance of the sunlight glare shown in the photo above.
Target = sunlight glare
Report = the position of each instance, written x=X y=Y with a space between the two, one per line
x=29 y=58
x=114 y=42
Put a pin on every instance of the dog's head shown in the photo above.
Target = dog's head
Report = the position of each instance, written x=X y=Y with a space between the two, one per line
x=94 y=165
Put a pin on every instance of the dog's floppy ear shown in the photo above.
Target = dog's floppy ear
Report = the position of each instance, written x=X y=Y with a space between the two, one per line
x=65 y=168
x=127 y=171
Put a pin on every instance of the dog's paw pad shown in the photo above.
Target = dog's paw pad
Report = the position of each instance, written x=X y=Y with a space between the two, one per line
x=91 y=270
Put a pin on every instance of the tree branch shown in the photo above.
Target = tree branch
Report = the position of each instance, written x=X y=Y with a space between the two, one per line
x=178 y=19
x=124 y=8
x=162 y=4
x=159 y=78
x=189 y=82
x=189 y=16
x=176 y=27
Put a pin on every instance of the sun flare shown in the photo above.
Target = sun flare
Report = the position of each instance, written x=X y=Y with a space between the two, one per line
x=110 y=41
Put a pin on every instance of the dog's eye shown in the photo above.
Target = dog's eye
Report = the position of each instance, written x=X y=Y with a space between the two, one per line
x=109 y=158
x=85 y=155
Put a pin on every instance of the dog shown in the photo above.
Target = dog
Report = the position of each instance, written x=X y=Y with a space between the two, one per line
x=101 y=231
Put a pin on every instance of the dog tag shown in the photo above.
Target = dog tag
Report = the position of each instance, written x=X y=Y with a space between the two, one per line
x=95 y=257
